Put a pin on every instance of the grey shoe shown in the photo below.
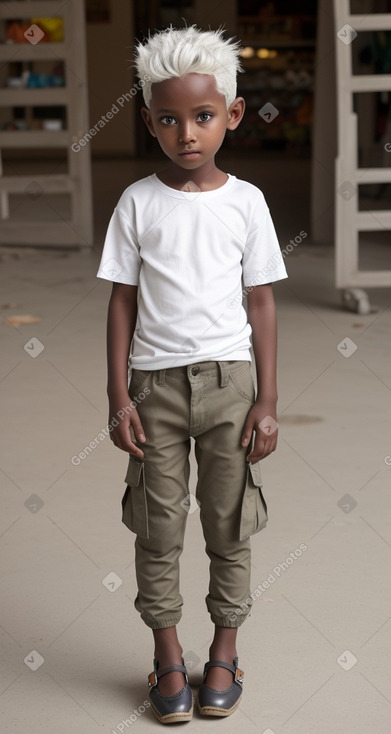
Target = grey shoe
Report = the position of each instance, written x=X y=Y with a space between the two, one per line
x=221 y=703
x=170 y=709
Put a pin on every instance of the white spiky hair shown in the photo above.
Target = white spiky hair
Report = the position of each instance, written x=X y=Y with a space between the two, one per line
x=176 y=52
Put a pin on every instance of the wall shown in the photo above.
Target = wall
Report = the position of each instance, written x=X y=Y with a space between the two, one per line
x=109 y=54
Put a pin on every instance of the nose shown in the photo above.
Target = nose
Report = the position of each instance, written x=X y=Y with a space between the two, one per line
x=186 y=133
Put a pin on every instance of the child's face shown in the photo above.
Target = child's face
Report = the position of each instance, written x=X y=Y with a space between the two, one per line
x=188 y=114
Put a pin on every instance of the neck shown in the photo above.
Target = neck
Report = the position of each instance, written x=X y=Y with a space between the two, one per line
x=206 y=177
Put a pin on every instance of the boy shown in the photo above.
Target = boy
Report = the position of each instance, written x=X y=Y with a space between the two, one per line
x=183 y=248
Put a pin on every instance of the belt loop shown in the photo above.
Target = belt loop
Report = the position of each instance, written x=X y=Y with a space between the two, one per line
x=224 y=373
x=161 y=377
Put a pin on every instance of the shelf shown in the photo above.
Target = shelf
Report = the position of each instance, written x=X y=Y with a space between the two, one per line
x=375 y=22
x=371 y=83
x=49 y=183
x=373 y=175
x=35 y=139
x=273 y=90
x=278 y=30
x=34 y=97
x=42 y=233
x=26 y=52
x=372 y=221
x=75 y=184
x=30 y=8
x=291 y=43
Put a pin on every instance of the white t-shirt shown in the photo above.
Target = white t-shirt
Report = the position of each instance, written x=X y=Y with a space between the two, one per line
x=192 y=254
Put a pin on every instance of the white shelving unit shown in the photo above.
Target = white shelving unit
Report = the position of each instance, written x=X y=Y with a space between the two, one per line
x=349 y=220
x=76 y=182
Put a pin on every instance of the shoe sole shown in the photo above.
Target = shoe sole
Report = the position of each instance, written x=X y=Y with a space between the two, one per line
x=215 y=711
x=175 y=717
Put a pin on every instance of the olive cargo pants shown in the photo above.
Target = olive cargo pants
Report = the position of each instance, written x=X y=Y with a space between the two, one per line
x=210 y=402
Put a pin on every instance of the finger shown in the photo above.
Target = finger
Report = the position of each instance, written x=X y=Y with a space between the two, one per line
x=124 y=442
x=262 y=449
x=136 y=452
x=132 y=449
x=247 y=433
x=136 y=429
x=258 y=451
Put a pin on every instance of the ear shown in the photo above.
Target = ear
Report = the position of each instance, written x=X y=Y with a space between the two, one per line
x=146 y=115
x=235 y=113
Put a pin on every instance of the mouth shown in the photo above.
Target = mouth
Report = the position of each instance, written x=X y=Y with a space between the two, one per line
x=189 y=153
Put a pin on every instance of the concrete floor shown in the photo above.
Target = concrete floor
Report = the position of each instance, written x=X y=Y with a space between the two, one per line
x=315 y=649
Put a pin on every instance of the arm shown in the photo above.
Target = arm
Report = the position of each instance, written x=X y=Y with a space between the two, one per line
x=262 y=318
x=121 y=321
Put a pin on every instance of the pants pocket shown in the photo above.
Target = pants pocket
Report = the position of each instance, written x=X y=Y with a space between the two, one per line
x=242 y=379
x=254 y=508
x=134 y=501
x=138 y=382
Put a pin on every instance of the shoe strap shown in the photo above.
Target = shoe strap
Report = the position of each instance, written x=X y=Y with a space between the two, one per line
x=237 y=673
x=170 y=669
x=157 y=673
x=219 y=664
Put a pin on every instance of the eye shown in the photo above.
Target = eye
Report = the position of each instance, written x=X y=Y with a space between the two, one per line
x=204 y=115
x=167 y=120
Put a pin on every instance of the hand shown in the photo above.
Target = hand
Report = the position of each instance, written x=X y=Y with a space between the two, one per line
x=261 y=418
x=127 y=427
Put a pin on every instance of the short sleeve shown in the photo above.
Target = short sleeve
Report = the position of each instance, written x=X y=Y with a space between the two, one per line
x=262 y=260
x=120 y=261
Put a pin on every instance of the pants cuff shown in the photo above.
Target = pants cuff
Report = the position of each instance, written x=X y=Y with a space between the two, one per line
x=232 y=620
x=161 y=622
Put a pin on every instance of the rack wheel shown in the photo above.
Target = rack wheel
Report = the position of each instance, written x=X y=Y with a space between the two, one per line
x=355 y=299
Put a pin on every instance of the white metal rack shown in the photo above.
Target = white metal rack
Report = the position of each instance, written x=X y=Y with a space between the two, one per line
x=77 y=230
x=349 y=220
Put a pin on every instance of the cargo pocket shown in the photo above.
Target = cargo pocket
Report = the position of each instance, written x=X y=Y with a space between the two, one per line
x=134 y=501
x=254 y=509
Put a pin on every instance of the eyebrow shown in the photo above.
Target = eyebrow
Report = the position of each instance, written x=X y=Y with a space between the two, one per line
x=199 y=107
